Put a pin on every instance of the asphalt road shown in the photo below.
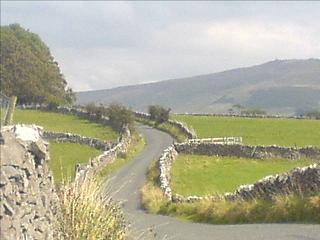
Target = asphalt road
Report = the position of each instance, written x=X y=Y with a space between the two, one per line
x=126 y=183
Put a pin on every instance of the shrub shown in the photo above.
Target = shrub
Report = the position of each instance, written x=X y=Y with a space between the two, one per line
x=159 y=114
x=120 y=116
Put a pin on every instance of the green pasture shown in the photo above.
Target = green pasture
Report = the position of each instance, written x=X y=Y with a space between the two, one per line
x=65 y=156
x=58 y=122
x=257 y=131
x=208 y=175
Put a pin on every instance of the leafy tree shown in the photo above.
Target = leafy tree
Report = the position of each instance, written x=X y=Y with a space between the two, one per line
x=159 y=114
x=120 y=116
x=28 y=69
x=98 y=111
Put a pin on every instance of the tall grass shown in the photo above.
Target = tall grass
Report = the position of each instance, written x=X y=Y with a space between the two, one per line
x=87 y=214
x=293 y=208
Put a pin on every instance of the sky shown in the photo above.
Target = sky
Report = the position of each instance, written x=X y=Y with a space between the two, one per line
x=101 y=45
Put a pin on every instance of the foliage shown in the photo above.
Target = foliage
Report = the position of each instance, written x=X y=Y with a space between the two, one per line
x=88 y=214
x=175 y=132
x=253 y=112
x=120 y=116
x=257 y=131
x=280 y=209
x=98 y=111
x=313 y=114
x=65 y=156
x=28 y=69
x=207 y=175
x=136 y=146
x=58 y=122
x=158 y=114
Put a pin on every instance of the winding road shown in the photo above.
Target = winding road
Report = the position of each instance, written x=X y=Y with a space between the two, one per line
x=126 y=183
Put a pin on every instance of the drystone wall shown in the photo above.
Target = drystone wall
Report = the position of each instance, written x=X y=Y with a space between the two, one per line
x=110 y=150
x=78 y=111
x=246 y=151
x=29 y=203
x=75 y=138
x=182 y=127
x=305 y=180
x=246 y=115
x=107 y=157
x=165 y=162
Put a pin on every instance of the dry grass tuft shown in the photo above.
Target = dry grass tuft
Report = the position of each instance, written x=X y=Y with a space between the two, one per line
x=86 y=214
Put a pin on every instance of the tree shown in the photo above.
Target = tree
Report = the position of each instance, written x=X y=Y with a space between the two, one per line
x=28 y=69
x=120 y=116
x=159 y=114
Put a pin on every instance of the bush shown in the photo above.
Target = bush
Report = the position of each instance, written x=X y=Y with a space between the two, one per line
x=120 y=116
x=159 y=114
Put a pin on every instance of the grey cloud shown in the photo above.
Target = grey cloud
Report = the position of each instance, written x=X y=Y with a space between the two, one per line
x=107 y=44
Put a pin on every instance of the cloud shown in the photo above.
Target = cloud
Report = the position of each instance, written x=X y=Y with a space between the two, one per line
x=108 y=44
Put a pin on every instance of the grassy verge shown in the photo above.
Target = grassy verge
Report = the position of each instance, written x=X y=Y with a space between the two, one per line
x=257 y=131
x=58 y=122
x=280 y=209
x=136 y=146
x=207 y=175
x=176 y=133
x=65 y=156
x=88 y=215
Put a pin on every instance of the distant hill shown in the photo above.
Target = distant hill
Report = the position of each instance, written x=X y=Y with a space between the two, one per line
x=279 y=87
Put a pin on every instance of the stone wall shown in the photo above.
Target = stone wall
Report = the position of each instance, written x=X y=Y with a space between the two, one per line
x=29 y=203
x=78 y=111
x=107 y=157
x=246 y=151
x=75 y=138
x=182 y=127
x=165 y=163
x=110 y=149
x=305 y=180
x=246 y=115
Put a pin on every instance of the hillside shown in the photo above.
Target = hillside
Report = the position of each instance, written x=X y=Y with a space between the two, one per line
x=280 y=86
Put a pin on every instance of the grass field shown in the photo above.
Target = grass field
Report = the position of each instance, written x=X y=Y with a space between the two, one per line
x=64 y=157
x=58 y=122
x=256 y=131
x=293 y=208
x=207 y=175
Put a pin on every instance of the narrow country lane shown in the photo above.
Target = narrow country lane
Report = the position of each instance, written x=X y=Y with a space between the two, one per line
x=126 y=183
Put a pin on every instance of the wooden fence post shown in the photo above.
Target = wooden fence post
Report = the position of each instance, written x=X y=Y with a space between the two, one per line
x=9 y=116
